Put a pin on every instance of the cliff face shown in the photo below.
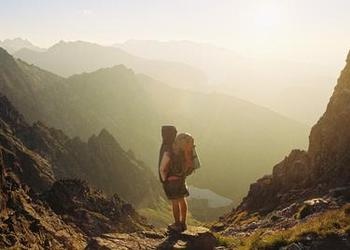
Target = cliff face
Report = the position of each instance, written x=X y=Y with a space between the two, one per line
x=314 y=172
x=329 y=149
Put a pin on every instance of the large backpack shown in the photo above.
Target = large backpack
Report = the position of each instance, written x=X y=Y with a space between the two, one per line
x=187 y=157
x=195 y=163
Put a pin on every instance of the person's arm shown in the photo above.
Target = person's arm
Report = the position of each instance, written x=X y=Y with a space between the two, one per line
x=164 y=166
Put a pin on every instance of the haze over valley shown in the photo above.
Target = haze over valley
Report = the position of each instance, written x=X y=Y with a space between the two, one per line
x=260 y=87
x=298 y=90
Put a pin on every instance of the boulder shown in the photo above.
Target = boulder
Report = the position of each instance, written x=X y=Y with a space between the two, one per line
x=312 y=206
x=91 y=210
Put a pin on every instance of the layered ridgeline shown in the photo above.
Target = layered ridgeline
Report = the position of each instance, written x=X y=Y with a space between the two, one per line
x=276 y=84
x=308 y=193
x=38 y=212
x=68 y=58
x=100 y=161
x=237 y=141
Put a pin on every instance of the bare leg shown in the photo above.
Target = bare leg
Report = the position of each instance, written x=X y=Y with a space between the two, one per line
x=183 y=210
x=176 y=211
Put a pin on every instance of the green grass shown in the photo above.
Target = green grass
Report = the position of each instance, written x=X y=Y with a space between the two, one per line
x=333 y=222
x=226 y=241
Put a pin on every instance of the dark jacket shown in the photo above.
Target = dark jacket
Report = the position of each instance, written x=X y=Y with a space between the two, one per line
x=168 y=137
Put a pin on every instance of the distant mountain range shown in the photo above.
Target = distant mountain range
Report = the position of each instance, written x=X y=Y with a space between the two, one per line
x=68 y=58
x=297 y=90
x=237 y=140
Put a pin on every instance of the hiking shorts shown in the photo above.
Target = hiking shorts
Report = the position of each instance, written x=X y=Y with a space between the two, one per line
x=175 y=189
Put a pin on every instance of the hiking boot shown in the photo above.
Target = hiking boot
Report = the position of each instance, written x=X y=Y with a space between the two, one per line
x=177 y=227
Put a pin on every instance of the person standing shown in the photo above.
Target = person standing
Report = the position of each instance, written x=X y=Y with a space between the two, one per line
x=175 y=159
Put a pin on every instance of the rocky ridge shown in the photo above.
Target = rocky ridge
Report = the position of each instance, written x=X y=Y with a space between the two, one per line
x=40 y=212
x=100 y=160
x=314 y=172
x=308 y=194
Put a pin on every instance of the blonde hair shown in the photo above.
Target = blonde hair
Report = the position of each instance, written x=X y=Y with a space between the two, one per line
x=181 y=140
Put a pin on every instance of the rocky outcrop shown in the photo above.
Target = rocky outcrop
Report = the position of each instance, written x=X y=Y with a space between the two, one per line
x=74 y=213
x=305 y=198
x=27 y=223
x=38 y=212
x=31 y=169
x=304 y=174
x=330 y=137
x=91 y=210
x=288 y=182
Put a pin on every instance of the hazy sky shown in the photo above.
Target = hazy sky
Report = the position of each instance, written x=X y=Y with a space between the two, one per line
x=300 y=30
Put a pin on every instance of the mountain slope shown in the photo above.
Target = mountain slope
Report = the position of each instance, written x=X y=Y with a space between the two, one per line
x=308 y=193
x=103 y=163
x=100 y=161
x=68 y=58
x=38 y=212
x=234 y=137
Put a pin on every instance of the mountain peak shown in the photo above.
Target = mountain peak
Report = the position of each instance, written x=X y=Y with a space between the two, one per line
x=104 y=138
x=105 y=135
x=16 y=44
x=73 y=44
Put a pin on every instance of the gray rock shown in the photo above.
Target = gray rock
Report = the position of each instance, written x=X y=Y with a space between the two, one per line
x=293 y=246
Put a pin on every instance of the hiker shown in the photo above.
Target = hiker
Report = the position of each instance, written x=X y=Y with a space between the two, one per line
x=175 y=163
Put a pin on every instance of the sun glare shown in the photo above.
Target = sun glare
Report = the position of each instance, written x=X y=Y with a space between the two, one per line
x=267 y=17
